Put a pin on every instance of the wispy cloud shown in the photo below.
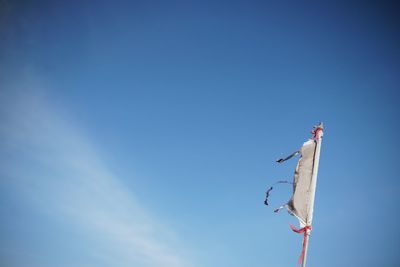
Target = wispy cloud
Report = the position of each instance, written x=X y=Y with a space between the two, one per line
x=54 y=167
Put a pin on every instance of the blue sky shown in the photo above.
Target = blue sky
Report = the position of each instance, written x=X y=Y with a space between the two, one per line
x=144 y=133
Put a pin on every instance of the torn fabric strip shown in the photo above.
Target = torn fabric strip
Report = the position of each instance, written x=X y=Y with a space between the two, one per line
x=270 y=189
x=288 y=157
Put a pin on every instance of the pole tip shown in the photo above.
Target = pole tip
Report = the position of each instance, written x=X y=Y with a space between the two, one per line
x=318 y=130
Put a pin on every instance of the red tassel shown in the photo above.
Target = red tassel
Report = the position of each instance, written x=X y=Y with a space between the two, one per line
x=301 y=231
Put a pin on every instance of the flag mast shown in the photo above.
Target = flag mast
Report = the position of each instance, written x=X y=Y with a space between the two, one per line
x=318 y=133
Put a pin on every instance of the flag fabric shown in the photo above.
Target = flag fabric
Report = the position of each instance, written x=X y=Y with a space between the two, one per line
x=299 y=204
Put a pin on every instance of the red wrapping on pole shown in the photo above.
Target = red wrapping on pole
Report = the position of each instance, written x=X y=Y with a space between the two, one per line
x=301 y=231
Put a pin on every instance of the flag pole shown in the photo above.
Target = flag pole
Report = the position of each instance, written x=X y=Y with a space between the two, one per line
x=318 y=133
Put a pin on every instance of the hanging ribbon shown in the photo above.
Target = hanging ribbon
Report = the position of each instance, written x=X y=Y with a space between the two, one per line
x=270 y=189
x=301 y=231
x=288 y=157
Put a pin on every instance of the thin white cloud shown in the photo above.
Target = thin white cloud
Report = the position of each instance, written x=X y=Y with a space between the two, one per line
x=55 y=167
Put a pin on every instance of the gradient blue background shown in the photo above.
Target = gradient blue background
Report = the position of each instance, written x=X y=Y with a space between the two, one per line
x=188 y=104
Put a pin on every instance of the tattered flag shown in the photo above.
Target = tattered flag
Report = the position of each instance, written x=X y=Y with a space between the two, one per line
x=301 y=203
x=302 y=183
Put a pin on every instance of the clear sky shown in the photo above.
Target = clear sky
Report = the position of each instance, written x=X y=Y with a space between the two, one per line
x=144 y=133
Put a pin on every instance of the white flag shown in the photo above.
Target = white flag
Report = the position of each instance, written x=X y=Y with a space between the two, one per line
x=303 y=189
x=301 y=203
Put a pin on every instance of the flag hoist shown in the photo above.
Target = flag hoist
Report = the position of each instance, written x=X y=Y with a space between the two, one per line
x=301 y=204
